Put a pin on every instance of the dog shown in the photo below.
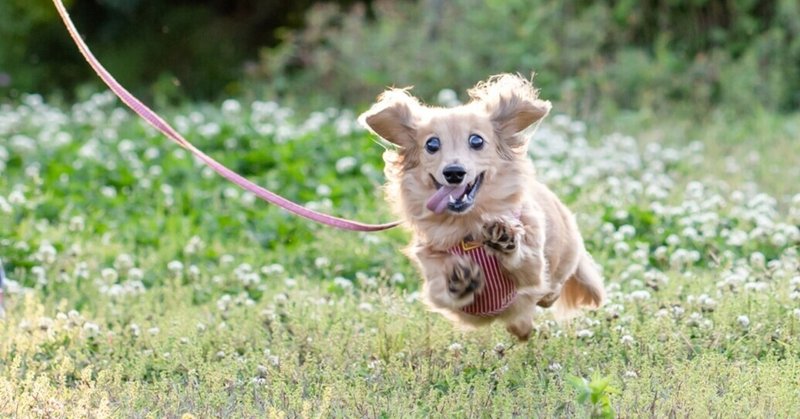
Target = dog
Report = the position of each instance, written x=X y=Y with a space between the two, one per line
x=490 y=240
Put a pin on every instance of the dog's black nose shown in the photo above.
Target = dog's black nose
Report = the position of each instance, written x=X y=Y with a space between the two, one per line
x=454 y=174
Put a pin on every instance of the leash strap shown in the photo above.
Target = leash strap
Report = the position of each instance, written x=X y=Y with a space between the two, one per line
x=157 y=122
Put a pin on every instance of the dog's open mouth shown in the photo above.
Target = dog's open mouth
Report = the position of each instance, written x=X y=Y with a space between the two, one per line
x=454 y=198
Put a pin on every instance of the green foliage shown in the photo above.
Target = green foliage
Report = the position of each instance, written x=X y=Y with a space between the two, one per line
x=141 y=284
x=596 y=393
x=588 y=55
x=164 y=49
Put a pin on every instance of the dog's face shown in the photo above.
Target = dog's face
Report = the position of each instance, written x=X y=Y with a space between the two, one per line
x=452 y=159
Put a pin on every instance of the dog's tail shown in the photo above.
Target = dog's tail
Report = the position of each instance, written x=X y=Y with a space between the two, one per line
x=583 y=289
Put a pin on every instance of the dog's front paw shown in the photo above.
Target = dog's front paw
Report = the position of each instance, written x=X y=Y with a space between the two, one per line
x=465 y=281
x=502 y=235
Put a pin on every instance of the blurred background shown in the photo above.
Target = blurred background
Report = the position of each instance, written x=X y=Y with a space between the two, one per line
x=592 y=57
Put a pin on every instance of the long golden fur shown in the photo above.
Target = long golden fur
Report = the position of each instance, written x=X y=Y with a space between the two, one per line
x=532 y=234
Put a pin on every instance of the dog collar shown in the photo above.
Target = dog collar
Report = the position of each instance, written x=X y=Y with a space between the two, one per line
x=499 y=290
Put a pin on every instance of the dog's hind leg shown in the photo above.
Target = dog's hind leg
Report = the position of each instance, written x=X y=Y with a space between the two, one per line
x=519 y=317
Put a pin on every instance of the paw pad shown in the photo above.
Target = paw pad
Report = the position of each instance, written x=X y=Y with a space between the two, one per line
x=467 y=277
x=499 y=236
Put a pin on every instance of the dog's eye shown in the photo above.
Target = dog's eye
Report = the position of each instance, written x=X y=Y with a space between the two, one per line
x=433 y=145
x=476 y=142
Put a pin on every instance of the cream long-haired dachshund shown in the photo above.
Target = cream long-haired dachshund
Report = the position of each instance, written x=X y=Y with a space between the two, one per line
x=491 y=241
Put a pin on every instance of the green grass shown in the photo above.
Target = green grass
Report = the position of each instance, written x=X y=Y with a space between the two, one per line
x=143 y=292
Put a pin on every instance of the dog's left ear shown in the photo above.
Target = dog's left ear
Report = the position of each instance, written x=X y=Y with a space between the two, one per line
x=393 y=117
x=512 y=103
x=513 y=114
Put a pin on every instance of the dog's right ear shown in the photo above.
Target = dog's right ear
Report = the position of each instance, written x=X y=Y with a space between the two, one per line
x=393 y=117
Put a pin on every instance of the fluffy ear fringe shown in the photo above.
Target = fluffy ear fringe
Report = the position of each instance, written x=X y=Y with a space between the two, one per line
x=392 y=117
x=512 y=101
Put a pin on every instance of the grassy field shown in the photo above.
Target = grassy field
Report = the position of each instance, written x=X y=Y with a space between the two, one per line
x=140 y=284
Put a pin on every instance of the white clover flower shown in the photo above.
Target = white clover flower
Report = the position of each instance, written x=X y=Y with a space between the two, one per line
x=455 y=347
x=673 y=240
x=661 y=253
x=208 y=130
x=123 y=262
x=109 y=275
x=694 y=319
x=273 y=269
x=175 y=266
x=640 y=295
x=346 y=164
x=743 y=321
x=5 y=207
x=641 y=256
x=778 y=239
x=16 y=197
x=630 y=374
x=554 y=367
x=628 y=231
x=135 y=330
x=366 y=280
x=756 y=286
x=108 y=191
x=323 y=190
x=153 y=331
x=447 y=98
x=135 y=274
x=412 y=297
x=627 y=340
x=47 y=253
x=231 y=106
x=707 y=303
x=230 y=193
x=223 y=302
x=345 y=125
x=757 y=259
x=661 y=313
x=40 y=274
x=321 y=262
x=397 y=278
x=796 y=313
x=24 y=325
x=737 y=238
x=343 y=283
x=45 y=323
x=91 y=329
x=584 y=333
x=194 y=245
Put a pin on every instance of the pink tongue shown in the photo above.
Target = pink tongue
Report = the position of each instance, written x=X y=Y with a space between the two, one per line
x=438 y=202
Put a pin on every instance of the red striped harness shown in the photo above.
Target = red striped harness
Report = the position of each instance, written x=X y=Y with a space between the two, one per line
x=499 y=290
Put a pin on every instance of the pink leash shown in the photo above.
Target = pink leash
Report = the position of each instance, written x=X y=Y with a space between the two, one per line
x=156 y=121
